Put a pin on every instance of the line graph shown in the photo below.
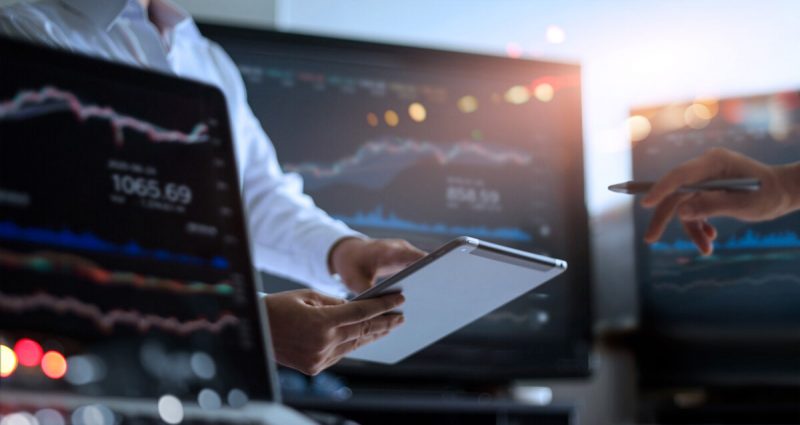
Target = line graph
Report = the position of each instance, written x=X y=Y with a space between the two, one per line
x=378 y=219
x=715 y=283
x=750 y=240
x=376 y=163
x=89 y=242
x=534 y=319
x=64 y=263
x=107 y=321
x=49 y=100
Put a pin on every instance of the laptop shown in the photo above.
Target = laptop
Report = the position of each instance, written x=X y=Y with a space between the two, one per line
x=128 y=294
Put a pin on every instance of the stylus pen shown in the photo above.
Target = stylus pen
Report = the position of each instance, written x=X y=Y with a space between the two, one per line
x=731 y=185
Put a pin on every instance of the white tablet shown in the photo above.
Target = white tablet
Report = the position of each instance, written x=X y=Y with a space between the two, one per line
x=450 y=288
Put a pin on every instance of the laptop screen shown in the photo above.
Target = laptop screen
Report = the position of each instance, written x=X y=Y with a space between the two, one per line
x=124 y=260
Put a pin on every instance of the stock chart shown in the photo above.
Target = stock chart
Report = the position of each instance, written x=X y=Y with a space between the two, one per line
x=752 y=276
x=123 y=255
x=741 y=300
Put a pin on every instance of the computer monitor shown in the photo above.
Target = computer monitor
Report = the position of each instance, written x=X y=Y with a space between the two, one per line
x=124 y=261
x=731 y=318
x=428 y=145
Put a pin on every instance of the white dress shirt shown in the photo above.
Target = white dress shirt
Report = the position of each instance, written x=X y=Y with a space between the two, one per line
x=291 y=236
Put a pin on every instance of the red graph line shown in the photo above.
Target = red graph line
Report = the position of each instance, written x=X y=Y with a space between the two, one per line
x=443 y=154
x=57 y=262
x=33 y=102
x=106 y=321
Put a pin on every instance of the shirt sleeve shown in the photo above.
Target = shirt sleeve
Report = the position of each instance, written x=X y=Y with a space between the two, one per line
x=291 y=236
x=22 y=22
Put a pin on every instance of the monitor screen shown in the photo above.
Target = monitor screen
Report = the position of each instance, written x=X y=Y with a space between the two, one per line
x=732 y=317
x=123 y=257
x=430 y=145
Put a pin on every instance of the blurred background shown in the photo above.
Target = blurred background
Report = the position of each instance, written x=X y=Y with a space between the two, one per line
x=582 y=94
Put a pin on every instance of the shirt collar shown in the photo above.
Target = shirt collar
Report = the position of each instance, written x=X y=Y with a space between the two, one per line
x=105 y=12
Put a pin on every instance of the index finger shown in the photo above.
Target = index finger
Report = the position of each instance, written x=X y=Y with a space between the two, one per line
x=692 y=171
x=361 y=310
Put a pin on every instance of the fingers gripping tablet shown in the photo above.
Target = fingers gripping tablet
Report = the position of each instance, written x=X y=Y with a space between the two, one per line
x=451 y=287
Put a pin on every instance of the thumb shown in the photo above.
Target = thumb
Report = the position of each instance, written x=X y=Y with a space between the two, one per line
x=710 y=204
x=359 y=282
x=401 y=254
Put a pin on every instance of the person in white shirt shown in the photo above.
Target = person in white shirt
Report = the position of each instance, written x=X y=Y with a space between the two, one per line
x=291 y=236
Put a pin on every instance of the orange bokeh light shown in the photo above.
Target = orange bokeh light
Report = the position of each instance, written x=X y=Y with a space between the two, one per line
x=54 y=365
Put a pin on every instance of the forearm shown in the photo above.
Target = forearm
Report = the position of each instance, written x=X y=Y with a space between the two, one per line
x=789 y=176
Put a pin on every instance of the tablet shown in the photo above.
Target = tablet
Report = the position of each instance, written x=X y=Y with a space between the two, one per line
x=453 y=286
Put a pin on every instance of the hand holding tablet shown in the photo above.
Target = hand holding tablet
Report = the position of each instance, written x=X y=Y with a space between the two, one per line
x=452 y=287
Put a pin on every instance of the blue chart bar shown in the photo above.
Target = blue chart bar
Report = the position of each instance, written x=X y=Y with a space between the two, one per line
x=90 y=242
x=377 y=219
x=749 y=241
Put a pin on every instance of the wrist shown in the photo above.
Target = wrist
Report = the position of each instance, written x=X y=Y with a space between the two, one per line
x=789 y=178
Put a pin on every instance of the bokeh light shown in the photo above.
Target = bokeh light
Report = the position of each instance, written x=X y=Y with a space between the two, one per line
x=780 y=119
x=555 y=34
x=391 y=118
x=54 y=365
x=49 y=417
x=170 y=409
x=467 y=104
x=19 y=418
x=513 y=50
x=710 y=103
x=237 y=398
x=93 y=414
x=8 y=361
x=697 y=116
x=208 y=399
x=29 y=352
x=372 y=119
x=518 y=95
x=639 y=127
x=544 y=92
x=417 y=112
x=85 y=369
x=203 y=365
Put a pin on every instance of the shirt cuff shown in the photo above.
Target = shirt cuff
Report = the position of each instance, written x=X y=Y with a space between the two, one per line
x=324 y=241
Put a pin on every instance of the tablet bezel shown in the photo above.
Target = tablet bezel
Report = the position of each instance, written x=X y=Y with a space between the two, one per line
x=386 y=287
